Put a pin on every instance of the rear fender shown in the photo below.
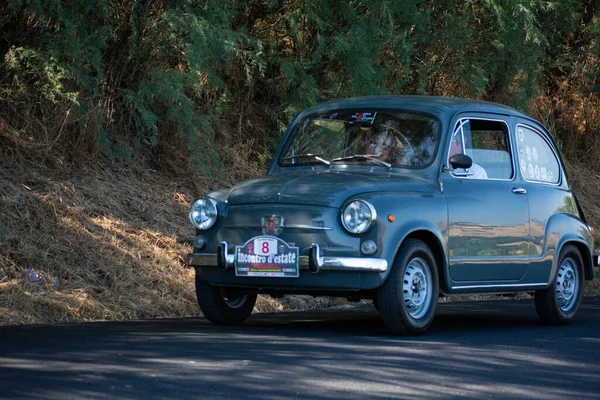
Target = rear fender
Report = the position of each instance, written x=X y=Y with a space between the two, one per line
x=565 y=229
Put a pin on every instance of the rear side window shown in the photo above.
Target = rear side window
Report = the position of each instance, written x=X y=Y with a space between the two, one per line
x=537 y=161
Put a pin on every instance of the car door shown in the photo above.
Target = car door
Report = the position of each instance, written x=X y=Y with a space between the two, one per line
x=488 y=214
x=547 y=191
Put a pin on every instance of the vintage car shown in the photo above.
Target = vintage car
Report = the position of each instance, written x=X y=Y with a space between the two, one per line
x=398 y=199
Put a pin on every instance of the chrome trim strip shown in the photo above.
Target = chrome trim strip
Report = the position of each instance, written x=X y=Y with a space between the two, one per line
x=507 y=286
x=294 y=226
x=353 y=264
x=230 y=260
x=347 y=263
x=201 y=260
x=315 y=261
x=298 y=226
x=326 y=263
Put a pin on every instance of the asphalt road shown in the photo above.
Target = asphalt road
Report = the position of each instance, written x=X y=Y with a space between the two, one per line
x=492 y=349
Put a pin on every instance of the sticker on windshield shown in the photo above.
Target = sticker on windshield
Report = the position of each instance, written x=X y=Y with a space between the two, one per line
x=528 y=153
x=534 y=153
x=543 y=173
x=537 y=172
x=520 y=134
x=363 y=118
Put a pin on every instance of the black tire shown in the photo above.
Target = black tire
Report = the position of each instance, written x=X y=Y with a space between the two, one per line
x=224 y=305
x=376 y=302
x=558 y=304
x=404 y=311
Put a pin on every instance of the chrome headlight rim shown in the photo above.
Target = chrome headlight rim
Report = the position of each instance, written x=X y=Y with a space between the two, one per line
x=212 y=218
x=357 y=231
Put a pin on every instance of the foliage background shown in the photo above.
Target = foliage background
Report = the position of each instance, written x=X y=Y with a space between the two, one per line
x=183 y=84
x=193 y=94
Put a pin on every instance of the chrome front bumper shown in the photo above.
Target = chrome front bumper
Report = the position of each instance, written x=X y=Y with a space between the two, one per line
x=313 y=262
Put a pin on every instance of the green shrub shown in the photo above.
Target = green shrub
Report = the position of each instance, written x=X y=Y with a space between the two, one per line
x=126 y=80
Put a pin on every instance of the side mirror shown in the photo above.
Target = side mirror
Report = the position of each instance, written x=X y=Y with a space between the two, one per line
x=461 y=161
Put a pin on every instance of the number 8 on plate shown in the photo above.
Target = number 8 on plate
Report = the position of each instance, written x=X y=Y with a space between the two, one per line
x=265 y=247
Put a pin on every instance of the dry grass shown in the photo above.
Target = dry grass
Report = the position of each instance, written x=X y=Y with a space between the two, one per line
x=111 y=238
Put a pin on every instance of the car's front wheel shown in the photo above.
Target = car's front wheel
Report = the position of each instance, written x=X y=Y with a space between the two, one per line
x=408 y=299
x=224 y=305
x=559 y=303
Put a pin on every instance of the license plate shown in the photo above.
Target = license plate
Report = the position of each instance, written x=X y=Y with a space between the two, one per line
x=266 y=256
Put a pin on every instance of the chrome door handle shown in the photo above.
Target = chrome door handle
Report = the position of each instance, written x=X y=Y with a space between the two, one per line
x=519 y=190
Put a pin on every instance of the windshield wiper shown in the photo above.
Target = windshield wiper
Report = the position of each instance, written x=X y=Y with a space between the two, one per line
x=367 y=157
x=307 y=155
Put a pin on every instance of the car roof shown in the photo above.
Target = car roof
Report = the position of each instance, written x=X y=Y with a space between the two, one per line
x=429 y=104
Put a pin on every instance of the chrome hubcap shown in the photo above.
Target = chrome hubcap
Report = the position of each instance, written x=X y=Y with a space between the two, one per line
x=567 y=284
x=233 y=298
x=416 y=288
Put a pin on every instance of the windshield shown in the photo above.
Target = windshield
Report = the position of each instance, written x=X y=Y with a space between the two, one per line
x=381 y=137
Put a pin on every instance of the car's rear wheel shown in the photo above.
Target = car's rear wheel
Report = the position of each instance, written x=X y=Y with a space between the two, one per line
x=224 y=305
x=559 y=303
x=408 y=299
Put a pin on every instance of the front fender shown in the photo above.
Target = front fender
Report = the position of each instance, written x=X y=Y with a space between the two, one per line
x=413 y=212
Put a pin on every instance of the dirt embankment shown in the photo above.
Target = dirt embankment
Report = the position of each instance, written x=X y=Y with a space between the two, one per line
x=103 y=244
x=109 y=244
x=106 y=245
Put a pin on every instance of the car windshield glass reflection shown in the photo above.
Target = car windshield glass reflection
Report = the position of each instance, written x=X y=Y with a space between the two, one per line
x=374 y=158
x=308 y=155
x=385 y=138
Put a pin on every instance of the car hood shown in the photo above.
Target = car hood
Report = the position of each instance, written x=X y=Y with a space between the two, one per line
x=327 y=188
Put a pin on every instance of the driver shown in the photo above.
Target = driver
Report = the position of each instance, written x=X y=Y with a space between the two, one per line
x=379 y=141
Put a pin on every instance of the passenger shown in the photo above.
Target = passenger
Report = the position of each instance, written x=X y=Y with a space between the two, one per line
x=476 y=171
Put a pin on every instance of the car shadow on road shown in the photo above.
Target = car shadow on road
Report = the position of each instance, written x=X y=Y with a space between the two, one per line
x=457 y=317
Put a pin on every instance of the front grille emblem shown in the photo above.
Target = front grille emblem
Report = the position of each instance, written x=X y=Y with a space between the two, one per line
x=272 y=225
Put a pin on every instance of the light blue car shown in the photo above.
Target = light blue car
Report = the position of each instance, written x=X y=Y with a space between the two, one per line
x=399 y=199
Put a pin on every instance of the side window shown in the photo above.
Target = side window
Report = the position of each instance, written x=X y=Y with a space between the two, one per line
x=488 y=145
x=536 y=158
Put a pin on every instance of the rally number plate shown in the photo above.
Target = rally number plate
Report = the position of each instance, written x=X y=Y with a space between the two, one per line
x=267 y=256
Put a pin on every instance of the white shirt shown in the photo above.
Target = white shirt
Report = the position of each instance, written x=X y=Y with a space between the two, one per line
x=474 y=172
x=477 y=171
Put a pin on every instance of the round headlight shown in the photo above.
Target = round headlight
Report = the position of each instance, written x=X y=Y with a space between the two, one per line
x=203 y=213
x=358 y=216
